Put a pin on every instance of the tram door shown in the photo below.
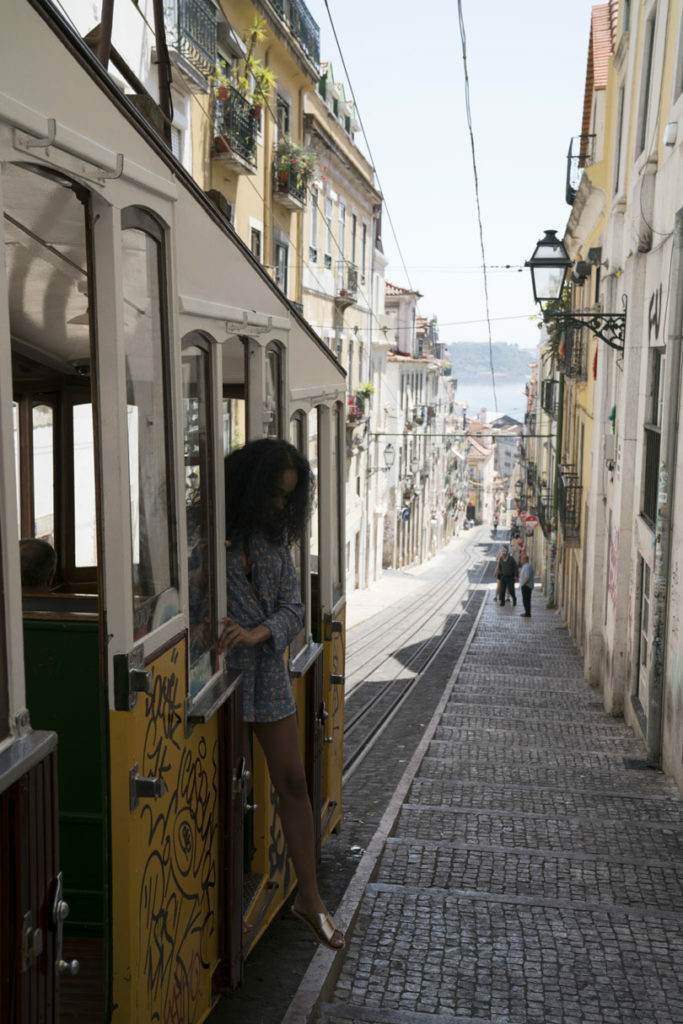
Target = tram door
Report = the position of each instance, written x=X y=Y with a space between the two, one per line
x=46 y=252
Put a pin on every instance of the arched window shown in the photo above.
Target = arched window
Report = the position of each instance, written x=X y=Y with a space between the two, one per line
x=145 y=307
x=273 y=396
x=200 y=504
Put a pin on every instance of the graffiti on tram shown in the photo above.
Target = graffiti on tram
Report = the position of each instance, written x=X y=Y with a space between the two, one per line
x=177 y=897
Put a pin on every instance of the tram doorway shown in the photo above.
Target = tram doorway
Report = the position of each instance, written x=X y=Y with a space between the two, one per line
x=49 y=283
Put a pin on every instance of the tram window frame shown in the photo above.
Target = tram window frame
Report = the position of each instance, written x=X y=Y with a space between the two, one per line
x=275 y=354
x=196 y=340
x=5 y=704
x=138 y=218
x=298 y=436
x=337 y=453
x=62 y=396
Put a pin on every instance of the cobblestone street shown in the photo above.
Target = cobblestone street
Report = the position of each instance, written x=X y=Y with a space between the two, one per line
x=530 y=867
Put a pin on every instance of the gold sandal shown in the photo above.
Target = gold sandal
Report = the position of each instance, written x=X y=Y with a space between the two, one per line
x=323 y=926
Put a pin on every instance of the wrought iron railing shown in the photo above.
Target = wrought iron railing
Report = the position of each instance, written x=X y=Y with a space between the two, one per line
x=347 y=279
x=580 y=155
x=191 y=30
x=569 y=504
x=575 y=362
x=302 y=25
x=544 y=509
x=235 y=125
x=288 y=182
x=549 y=397
x=531 y=474
x=651 y=474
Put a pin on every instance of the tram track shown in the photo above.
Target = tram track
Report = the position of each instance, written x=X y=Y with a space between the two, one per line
x=392 y=629
x=365 y=726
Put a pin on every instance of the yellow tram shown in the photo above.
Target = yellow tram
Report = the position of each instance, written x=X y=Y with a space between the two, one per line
x=139 y=343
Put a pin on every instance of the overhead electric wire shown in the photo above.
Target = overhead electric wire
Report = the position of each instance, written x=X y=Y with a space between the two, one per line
x=367 y=143
x=463 y=39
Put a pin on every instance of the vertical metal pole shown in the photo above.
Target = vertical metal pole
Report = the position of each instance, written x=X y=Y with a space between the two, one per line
x=163 y=69
x=106 y=22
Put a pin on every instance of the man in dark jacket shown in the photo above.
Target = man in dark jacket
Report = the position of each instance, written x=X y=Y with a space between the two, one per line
x=507 y=568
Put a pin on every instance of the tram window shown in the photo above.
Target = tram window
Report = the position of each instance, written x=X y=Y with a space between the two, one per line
x=313 y=459
x=198 y=508
x=17 y=461
x=43 y=430
x=336 y=515
x=233 y=420
x=85 y=515
x=297 y=437
x=4 y=682
x=154 y=559
x=314 y=530
x=273 y=410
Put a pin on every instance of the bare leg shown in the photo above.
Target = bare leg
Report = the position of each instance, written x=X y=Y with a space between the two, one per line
x=280 y=742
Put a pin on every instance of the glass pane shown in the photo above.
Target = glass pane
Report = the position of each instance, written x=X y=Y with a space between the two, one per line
x=17 y=477
x=297 y=437
x=273 y=377
x=198 y=506
x=234 y=410
x=85 y=518
x=42 y=425
x=4 y=683
x=154 y=566
x=313 y=457
x=336 y=519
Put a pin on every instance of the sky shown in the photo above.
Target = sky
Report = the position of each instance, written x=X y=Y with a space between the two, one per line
x=526 y=64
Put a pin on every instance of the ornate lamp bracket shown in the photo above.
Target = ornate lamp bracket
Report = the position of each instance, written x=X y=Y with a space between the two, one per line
x=609 y=327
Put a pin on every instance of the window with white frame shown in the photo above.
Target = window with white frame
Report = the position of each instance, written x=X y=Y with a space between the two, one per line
x=256 y=241
x=329 y=209
x=281 y=260
x=363 y=247
x=313 y=241
x=645 y=84
x=619 y=140
x=282 y=115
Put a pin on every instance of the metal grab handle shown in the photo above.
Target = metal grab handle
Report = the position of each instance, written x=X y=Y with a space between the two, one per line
x=60 y=911
x=324 y=715
x=144 y=787
x=240 y=784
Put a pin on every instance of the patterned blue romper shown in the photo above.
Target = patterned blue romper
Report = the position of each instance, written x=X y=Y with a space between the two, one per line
x=271 y=599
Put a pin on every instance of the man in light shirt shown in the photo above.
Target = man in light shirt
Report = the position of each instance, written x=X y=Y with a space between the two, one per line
x=526 y=582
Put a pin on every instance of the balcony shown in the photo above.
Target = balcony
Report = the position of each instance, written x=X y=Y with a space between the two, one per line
x=346 y=290
x=549 y=397
x=289 y=189
x=531 y=475
x=235 y=130
x=298 y=19
x=580 y=155
x=191 y=40
x=575 y=364
x=544 y=509
x=569 y=505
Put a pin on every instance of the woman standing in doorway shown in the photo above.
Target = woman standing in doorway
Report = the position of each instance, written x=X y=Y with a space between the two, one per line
x=268 y=487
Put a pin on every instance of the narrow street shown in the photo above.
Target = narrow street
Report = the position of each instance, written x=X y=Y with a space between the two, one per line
x=530 y=865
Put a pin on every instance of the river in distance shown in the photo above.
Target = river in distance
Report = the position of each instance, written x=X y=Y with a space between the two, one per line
x=477 y=392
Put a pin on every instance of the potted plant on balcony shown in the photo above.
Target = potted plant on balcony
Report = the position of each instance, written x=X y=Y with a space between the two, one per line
x=249 y=77
x=293 y=163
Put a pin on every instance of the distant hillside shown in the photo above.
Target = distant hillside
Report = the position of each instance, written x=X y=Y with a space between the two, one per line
x=470 y=359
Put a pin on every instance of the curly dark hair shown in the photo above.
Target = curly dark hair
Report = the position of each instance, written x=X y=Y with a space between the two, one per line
x=252 y=484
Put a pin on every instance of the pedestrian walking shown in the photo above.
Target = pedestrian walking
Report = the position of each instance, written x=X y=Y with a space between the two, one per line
x=526 y=583
x=507 y=568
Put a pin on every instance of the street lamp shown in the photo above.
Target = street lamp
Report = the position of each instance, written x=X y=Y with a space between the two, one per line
x=549 y=266
x=389 y=455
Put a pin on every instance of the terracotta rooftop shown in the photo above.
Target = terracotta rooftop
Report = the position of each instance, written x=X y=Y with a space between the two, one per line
x=600 y=49
x=394 y=289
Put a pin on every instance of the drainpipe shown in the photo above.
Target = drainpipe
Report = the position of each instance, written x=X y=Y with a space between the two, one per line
x=665 y=498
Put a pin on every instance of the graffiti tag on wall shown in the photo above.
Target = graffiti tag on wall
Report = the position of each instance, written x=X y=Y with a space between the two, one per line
x=177 y=895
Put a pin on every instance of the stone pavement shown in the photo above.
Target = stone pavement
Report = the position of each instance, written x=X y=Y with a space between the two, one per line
x=530 y=867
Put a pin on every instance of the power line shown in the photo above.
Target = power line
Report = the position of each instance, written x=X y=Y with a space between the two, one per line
x=461 y=22
x=367 y=143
